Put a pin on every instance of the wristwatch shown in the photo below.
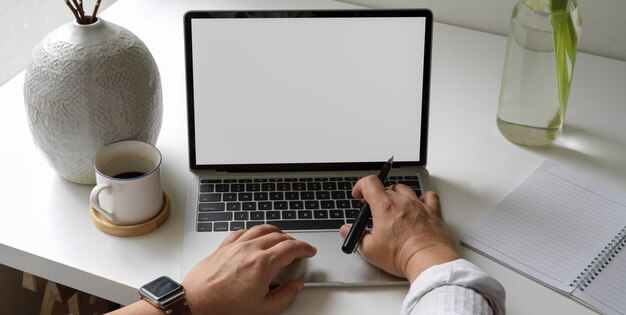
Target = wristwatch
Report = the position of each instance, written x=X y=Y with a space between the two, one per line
x=166 y=294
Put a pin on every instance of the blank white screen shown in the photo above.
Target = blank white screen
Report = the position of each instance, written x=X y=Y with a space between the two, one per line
x=307 y=90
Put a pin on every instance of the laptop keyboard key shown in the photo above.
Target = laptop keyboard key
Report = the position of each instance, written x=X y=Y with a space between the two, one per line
x=210 y=197
x=292 y=195
x=268 y=187
x=343 y=204
x=322 y=195
x=233 y=206
x=242 y=216
x=306 y=214
x=344 y=185
x=281 y=205
x=320 y=214
x=235 y=226
x=314 y=186
x=289 y=215
x=338 y=194
x=328 y=204
x=257 y=215
x=237 y=188
x=277 y=196
x=215 y=216
x=205 y=227
x=211 y=206
x=312 y=204
x=249 y=206
x=222 y=187
x=253 y=187
x=207 y=188
x=229 y=197
x=272 y=215
x=220 y=226
x=245 y=196
x=296 y=205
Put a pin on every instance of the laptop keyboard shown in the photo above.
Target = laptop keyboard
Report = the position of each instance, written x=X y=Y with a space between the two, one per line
x=291 y=204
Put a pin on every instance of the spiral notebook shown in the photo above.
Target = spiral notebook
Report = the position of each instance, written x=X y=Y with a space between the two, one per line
x=564 y=231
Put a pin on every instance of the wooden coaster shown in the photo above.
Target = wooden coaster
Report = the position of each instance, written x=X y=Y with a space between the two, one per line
x=106 y=226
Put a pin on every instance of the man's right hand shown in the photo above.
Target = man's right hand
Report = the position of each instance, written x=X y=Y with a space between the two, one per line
x=409 y=233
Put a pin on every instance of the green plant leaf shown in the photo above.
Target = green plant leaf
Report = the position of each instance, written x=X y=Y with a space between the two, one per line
x=565 y=47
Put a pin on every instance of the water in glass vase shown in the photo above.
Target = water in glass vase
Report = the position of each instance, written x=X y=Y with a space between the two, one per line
x=529 y=98
x=535 y=79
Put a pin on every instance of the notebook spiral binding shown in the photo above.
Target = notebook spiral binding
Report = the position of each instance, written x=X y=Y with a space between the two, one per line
x=600 y=262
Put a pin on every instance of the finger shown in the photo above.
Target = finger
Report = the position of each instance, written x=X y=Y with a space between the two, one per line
x=285 y=252
x=369 y=188
x=431 y=199
x=232 y=237
x=404 y=190
x=343 y=231
x=366 y=246
x=283 y=296
x=258 y=231
x=266 y=241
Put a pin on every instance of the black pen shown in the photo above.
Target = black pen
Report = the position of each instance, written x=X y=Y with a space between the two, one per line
x=355 y=234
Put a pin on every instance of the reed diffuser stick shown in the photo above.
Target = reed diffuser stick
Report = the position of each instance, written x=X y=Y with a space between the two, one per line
x=78 y=10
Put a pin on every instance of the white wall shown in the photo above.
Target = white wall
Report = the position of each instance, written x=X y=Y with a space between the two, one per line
x=24 y=23
x=604 y=21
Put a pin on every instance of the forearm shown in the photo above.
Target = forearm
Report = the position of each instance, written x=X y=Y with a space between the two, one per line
x=140 y=307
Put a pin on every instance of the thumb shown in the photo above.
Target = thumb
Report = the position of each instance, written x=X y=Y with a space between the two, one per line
x=283 y=296
x=343 y=231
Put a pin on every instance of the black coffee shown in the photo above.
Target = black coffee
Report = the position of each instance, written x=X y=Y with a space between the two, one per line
x=131 y=174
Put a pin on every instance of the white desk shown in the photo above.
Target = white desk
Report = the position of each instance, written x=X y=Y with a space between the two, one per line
x=45 y=228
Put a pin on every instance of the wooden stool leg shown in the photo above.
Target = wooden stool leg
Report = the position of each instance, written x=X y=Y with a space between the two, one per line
x=86 y=304
x=33 y=283
x=61 y=300
x=54 y=299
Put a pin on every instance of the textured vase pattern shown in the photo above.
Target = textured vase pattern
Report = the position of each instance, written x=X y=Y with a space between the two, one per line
x=88 y=86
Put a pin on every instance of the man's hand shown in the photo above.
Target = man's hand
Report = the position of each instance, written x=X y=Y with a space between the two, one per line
x=409 y=233
x=236 y=278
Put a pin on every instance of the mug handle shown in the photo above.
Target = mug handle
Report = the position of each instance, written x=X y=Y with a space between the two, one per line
x=95 y=201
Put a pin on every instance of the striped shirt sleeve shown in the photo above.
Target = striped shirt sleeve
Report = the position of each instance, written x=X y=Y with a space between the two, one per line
x=456 y=287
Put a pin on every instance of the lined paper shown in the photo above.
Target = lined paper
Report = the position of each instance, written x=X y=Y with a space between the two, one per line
x=607 y=292
x=551 y=226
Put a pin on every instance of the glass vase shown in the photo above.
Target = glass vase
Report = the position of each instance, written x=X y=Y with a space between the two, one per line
x=538 y=69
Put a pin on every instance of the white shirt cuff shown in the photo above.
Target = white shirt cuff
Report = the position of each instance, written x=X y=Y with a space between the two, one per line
x=465 y=284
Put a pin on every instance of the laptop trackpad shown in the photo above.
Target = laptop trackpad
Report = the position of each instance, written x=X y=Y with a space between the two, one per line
x=331 y=267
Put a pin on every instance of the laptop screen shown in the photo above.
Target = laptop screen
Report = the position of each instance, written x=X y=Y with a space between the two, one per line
x=307 y=89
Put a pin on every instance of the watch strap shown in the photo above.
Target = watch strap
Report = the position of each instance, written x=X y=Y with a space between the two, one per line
x=178 y=307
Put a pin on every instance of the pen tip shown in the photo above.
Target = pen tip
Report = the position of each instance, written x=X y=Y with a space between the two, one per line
x=390 y=159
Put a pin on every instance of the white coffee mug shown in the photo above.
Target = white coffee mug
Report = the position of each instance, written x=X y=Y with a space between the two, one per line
x=128 y=177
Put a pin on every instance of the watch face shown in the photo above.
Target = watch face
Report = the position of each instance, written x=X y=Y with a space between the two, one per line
x=161 y=288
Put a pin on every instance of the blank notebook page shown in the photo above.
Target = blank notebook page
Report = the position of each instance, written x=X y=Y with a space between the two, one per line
x=608 y=291
x=551 y=226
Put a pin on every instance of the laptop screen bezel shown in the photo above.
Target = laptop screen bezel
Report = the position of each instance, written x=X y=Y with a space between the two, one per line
x=423 y=146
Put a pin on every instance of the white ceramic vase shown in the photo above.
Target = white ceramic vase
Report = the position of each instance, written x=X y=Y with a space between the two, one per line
x=88 y=86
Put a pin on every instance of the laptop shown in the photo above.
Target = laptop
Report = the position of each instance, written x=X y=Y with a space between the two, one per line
x=287 y=110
